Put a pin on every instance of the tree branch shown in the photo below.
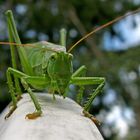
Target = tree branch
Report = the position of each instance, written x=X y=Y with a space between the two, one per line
x=90 y=41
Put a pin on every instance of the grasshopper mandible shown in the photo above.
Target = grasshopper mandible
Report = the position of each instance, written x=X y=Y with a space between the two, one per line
x=47 y=65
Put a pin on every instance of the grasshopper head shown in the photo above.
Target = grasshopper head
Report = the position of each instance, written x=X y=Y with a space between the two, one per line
x=60 y=69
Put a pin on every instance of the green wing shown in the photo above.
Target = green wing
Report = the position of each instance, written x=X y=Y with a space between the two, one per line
x=39 y=53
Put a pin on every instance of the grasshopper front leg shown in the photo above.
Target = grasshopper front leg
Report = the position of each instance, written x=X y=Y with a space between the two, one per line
x=34 y=99
x=82 y=81
x=33 y=80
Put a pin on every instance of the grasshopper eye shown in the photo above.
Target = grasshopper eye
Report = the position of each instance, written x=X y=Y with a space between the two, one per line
x=53 y=57
x=70 y=56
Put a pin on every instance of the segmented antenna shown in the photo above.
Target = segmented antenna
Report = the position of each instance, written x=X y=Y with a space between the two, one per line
x=28 y=45
x=103 y=26
x=13 y=43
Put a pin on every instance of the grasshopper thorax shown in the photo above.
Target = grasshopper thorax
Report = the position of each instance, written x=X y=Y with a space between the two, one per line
x=60 y=69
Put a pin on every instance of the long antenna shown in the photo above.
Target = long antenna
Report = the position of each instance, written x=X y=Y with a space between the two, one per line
x=28 y=45
x=13 y=43
x=103 y=26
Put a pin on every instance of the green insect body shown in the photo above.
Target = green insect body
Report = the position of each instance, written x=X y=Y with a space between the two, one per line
x=46 y=66
x=51 y=62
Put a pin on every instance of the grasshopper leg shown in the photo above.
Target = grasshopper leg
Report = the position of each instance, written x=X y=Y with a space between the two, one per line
x=38 y=111
x=87 y=105
x=13 y=108
x=87 y=114
x=81 y=81
x=80 y=72
x=13 y=94
x=22 y=76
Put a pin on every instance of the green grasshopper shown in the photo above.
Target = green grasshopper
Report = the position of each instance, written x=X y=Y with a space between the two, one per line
x=47 y=65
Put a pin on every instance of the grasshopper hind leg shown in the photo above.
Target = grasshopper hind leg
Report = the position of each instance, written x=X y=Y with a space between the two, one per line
x=22 y=76
x=10 y=112
x=90 y=116
x=89 y=102
x=83 y=81
x=13 y=106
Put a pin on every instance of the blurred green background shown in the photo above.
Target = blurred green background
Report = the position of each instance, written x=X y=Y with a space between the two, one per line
x=113 y=53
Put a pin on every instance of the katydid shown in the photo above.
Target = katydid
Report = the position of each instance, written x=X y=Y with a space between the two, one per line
x=47 y=65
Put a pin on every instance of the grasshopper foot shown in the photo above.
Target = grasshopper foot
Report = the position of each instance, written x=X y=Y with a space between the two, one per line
x=33 y=115
x=19 y=97
x=10 y=112
x=87 y=114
